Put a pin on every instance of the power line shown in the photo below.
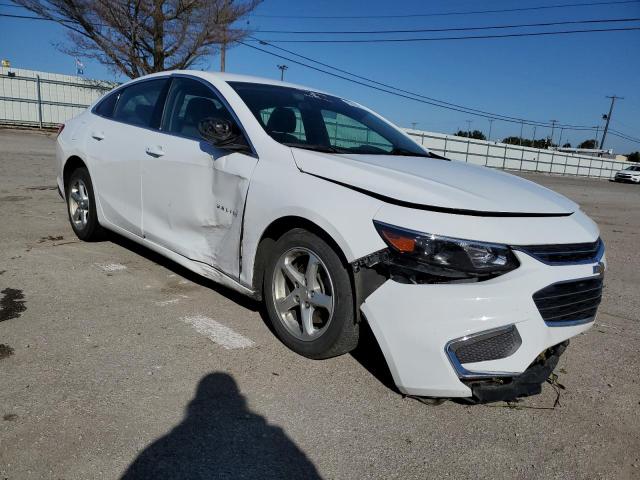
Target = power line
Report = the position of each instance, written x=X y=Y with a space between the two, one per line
x=623 y=136
x=468 y=37
x=398 y=94
x=452 y=29
x=441 y=14
x=444 y=104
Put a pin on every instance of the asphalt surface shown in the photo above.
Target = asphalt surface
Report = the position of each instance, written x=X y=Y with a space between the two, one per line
x=106 y=369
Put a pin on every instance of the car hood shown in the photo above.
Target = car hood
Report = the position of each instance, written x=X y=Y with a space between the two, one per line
x=435 y=184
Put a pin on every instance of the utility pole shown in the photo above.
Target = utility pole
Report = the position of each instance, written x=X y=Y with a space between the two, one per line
x=490 y=126
x=469 y=128
x=606 y=126
x=553 y=128
x=560 y=140
x=521 y=128
x=533 y=141
x=282 y=69
x=223 y=48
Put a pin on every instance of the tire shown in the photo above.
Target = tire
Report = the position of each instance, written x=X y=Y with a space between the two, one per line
x=81 y=206
x=321 y=324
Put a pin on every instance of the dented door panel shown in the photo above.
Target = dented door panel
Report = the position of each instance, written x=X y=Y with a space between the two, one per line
x=193 y=198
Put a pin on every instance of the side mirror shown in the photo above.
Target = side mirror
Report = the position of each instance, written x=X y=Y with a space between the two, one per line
x=222 y=133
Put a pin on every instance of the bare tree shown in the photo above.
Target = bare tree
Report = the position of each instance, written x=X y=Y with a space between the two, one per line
x=137 y=37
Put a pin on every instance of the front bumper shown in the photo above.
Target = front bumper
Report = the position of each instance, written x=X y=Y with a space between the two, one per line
x=414 y=324
x=627 y=178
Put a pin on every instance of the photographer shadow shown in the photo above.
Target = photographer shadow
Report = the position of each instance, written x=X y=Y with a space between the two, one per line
x=220 y=438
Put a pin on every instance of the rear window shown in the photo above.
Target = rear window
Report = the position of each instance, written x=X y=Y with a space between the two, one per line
x=106 y=106
x=141 y=103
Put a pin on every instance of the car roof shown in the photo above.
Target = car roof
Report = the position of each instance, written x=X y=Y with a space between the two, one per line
x=235 y=77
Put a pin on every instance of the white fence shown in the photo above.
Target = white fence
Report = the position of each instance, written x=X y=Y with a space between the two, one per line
x=45 y=99
x=514 y=157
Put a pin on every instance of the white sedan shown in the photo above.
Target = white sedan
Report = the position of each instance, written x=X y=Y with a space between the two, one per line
x=472 y=280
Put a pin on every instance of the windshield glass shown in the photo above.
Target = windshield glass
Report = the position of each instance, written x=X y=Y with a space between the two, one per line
x=317 y=121
x=633 y=169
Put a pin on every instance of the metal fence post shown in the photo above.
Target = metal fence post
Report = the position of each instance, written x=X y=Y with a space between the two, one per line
x=466 y=157
x=486 y=159
x=39 y=100
x=445 y=147
x=504 y=159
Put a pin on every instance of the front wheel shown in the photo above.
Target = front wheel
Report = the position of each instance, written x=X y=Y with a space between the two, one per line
x=309 y=297
x=81 y=206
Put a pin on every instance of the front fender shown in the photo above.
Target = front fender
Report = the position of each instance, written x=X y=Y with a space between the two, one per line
x=279 y=191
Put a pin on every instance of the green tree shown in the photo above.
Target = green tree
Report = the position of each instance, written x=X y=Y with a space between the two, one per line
x=634 y=157
x=592 y=143
x=476 y=134
x=525 y=142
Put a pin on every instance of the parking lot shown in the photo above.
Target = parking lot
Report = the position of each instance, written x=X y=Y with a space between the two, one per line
x=117 y=362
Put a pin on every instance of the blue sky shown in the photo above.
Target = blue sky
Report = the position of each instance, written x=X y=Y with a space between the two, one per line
x=540 y=78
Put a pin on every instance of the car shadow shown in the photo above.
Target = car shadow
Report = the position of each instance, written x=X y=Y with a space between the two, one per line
x=368 y=352
x=370 y=356
x=178 y=269
x=221 y=438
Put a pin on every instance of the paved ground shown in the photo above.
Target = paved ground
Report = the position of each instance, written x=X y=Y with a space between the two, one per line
x=106 y=377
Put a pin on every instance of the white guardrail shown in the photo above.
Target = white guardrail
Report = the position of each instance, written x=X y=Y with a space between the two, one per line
x=31 y=98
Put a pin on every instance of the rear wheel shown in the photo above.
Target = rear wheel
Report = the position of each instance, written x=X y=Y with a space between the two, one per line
x=81 y=206
x=308 y=296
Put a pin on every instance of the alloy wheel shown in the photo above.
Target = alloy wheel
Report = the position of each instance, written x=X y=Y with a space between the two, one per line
x=303 y=293
x=79 y=204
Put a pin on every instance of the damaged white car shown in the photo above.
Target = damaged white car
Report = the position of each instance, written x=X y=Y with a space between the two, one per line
x=472 y=280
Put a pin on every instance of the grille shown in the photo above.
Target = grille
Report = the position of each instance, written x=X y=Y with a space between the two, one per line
x=569 y=302
x=487 y=346
x=567 y=253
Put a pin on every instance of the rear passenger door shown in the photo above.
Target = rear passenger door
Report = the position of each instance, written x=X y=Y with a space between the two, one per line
x=193 y=194
x=116 y=146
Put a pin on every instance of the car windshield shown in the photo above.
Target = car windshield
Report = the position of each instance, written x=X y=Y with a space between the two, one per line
x=321 y=122
x=633 y=169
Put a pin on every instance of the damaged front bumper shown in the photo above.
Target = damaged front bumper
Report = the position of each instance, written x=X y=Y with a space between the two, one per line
x=527 y=383
x=417 y=327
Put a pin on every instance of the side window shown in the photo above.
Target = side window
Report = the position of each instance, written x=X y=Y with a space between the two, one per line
x=106 y=106
x=141 y=103
x=347 y=132
x=189 y=102
x=284 y=124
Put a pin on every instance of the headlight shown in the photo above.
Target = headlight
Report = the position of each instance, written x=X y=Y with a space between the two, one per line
x=444 y=256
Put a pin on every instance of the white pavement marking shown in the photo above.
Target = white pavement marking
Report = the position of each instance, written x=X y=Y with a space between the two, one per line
x=111 y=267
x=218 y=333
x=164 y=303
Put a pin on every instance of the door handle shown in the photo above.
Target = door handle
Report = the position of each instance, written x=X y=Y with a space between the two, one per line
x=97 y=135
x=154 y=151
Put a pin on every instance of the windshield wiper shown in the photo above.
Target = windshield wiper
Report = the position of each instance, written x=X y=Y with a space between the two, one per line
x=409 y=153
x=314 y=147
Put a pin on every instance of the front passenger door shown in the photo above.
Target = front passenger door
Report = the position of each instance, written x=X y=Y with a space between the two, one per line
x=193 y=194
